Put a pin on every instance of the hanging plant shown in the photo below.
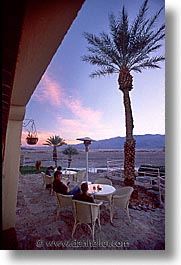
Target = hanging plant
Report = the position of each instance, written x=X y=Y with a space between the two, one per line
x=31 y=138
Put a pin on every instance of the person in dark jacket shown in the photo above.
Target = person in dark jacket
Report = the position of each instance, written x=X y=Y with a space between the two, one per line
x=59 y=168
x=49 y=171
x=60 y=187
x=83 y=196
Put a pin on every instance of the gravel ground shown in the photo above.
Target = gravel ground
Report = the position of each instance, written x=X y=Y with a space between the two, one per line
x=38 y=229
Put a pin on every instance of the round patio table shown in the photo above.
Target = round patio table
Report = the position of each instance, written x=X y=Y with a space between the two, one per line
x=69 y=173
x=105 y=191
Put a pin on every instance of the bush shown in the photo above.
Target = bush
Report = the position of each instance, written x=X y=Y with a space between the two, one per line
x=38 y=165
x=31 y=170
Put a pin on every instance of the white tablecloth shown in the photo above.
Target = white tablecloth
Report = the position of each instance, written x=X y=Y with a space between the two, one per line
x=105 y=189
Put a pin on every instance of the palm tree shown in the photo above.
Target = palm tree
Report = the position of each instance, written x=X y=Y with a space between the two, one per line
x=70 y=151
x=55 y=141
x=127 y=48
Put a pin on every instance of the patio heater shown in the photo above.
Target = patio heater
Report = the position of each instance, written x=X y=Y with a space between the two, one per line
x=87 y=141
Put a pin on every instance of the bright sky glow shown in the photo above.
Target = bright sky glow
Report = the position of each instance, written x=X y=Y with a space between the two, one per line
x=68 y=103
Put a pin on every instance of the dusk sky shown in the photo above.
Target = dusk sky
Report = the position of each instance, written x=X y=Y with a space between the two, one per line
x=68 y=103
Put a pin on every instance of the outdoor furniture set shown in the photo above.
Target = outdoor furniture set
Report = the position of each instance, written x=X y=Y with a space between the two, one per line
x=104 y=194
x=88 y=213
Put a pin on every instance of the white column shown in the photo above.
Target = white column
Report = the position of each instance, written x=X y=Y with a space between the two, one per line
x=87 y=168
x=10 y=168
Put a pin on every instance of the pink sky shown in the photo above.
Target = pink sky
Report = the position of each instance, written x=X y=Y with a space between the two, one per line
x=53 y=95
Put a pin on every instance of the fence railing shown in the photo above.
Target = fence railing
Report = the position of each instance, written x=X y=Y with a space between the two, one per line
x=115 y=168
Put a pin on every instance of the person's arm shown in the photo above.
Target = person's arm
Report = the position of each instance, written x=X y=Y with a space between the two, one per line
x=91 y=199
x=65 y=188
x=48 y=173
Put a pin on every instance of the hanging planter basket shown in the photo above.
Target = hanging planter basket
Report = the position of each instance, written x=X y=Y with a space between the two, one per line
x=31 y=140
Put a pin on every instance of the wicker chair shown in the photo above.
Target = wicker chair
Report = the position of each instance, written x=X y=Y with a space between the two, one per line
x=43 y=178
x=86 y=213
x=121 y=199
x=49 y=183
x=103 y=181
x=80 y=176
x=63 y=202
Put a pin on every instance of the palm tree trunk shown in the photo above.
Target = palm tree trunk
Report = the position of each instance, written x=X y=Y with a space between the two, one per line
x=130 y=143
x=125 y=85
x=55 y=155
x=69 y=162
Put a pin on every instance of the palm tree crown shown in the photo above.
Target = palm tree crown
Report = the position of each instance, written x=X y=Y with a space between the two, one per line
x=127 y=46
x=55 y=141
x=70 y=151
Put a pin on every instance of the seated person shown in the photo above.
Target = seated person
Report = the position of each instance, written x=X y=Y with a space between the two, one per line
x=49 y=171
x=83 y=196
x=59 y=168
x=60 y=187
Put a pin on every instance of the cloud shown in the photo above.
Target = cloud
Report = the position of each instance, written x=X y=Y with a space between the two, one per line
x=75 y=128
x=83 y=113
x=80 y=120
x=49 y=92
x=83 y=121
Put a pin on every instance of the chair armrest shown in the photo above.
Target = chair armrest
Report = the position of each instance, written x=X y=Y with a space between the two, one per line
x=119 y=196
x=99 y=203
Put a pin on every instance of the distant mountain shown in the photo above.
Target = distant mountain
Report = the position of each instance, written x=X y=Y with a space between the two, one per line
x=147 y=141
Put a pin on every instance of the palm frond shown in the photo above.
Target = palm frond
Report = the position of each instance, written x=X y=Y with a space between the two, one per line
x=103 y=72
x=138 y=22
x=103 y=47
x=153 y=20
x=123 y=34
x=70 y=151
x=132 y=46
x=150 y=63
x=120 y=34
x=55 y=141
x=99 y=60
x=145 y=44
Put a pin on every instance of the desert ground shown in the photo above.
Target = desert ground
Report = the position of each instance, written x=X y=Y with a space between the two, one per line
x=97 y=158
x=38 y=229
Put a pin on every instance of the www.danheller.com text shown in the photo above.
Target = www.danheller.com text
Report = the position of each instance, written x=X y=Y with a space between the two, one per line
x=81 y=243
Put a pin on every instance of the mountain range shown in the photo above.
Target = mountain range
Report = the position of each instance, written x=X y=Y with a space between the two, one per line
x=147 y=141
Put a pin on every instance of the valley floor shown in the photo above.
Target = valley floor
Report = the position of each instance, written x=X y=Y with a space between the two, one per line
x=97 y=159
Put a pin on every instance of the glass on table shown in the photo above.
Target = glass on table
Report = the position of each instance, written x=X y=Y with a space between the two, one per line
x=99 y=187
x=94 y=188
